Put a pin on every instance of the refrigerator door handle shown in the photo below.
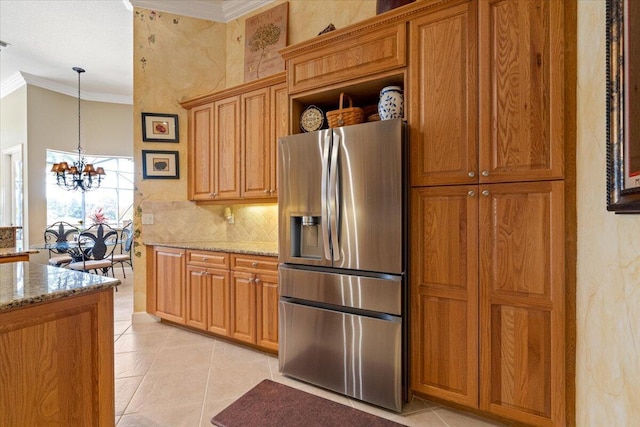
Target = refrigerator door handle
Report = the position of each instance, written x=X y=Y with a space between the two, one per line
x=334 y=207
x=324 y=194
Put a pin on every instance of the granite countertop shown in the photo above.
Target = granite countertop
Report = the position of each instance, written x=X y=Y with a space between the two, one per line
x=249 y=248
x=16 y=250
x=26 y=283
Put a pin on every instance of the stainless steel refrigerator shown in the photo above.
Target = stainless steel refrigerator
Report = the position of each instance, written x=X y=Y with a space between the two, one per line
x=342 y=209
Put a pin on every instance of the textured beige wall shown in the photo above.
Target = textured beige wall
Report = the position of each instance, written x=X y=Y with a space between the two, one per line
x=175 y=58
x=608 y=276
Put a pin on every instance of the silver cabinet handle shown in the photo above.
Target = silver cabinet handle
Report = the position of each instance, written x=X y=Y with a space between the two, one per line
x=471 y=193
x=485 y=173
x=471 y=174
x=205 y=259
x=257 y=280
x=254 y=264
x=485 y=192
x=266 y=191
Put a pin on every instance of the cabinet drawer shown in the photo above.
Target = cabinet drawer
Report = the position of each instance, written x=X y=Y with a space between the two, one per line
x=351 y=57
x=254 y=264
x=208 y=259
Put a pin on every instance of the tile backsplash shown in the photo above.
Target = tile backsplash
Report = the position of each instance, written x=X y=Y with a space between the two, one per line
x=183 y=221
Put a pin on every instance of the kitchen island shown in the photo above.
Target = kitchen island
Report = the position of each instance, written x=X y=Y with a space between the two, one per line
x=15 y=253
x=56 y=335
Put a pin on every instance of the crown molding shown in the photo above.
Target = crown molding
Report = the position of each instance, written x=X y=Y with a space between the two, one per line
x=235 y=9
x=14 y=83
x=21 y=78
x=212 y=10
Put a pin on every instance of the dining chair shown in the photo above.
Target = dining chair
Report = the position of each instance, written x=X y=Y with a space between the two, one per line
x=126 y=244
x=96 y=244
x=59 y=234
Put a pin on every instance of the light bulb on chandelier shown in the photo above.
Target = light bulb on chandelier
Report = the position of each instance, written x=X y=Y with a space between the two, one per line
x=81 y=175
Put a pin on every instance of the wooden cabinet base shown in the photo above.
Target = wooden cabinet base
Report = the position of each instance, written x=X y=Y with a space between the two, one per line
x=56 y=363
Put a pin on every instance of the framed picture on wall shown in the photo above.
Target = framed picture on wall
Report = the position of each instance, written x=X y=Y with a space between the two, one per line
x=160 y=164
x=160 y=127
x=623 y=106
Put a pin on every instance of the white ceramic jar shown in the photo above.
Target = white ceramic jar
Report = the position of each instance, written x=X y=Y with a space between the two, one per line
x=391 y=104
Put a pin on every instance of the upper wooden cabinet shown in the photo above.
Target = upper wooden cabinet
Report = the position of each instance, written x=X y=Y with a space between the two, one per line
x=226 y=148
x=345 y=55
x=201 y=158
x=443 y=91
x=515 y=89
x=233 y=141
x=256 y=144
x=521 y=62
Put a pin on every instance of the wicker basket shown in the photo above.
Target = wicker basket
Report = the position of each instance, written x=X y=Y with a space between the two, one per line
x=345 y=116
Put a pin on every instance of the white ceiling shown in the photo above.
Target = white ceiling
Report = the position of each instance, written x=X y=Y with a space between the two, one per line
x=47 y=38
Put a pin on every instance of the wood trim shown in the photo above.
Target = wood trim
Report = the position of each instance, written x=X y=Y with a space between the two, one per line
x=570 y=205
x=233 y=91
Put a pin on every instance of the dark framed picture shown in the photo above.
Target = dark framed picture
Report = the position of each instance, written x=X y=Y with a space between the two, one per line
x=623 y=106
x=158 y=127
x=160 y=164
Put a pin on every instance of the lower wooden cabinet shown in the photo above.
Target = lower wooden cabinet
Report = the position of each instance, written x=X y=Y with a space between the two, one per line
x=207 y=289
x=230 y=295
x=487 y=292
x=254 y=300
x=168 y=278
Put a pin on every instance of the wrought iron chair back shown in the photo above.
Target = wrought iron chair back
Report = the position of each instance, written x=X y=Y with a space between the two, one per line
x=126 y=242
x=96 y=244
x=59 y=234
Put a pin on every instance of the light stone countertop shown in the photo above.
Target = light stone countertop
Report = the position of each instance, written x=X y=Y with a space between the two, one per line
x=14 y=251
x=26 y=283
x=248 y=248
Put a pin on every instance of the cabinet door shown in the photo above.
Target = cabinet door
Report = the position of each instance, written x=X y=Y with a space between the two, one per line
x=521 y=90
x=169 y=277
x=227 y=148
x=443 y=88
x=444 y=277
x=243 y=307
x=218 y=302
x=279 y=127
x=522 y=301
x=201 y=158
x=267 y=314
x=196 y=292
x=256 y=144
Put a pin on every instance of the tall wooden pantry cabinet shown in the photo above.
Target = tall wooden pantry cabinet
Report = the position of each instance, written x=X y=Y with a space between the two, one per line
x=488 y=207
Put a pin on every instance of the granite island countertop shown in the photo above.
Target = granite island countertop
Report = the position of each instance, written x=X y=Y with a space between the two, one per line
x=26 y=283
x=16 y=251
x=248 y=248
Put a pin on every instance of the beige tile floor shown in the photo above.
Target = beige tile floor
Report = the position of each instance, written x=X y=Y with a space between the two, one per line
x=168 y=376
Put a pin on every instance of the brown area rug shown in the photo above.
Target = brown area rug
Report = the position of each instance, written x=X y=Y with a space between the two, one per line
x=273 y=404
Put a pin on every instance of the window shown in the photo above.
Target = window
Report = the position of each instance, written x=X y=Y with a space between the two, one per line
x=114 y=197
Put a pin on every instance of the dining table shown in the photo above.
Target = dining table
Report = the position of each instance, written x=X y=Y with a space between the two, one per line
x=77 y=250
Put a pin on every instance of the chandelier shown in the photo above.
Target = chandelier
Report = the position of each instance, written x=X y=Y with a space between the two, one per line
x=81 y=175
